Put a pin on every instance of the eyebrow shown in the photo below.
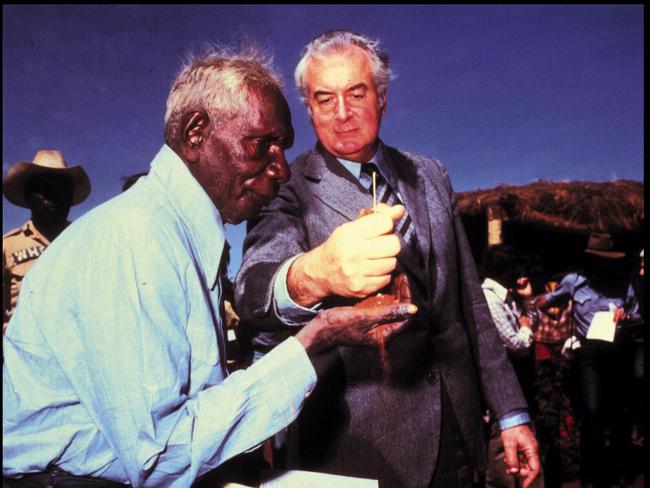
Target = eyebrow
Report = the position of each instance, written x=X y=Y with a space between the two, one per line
x=358 y=86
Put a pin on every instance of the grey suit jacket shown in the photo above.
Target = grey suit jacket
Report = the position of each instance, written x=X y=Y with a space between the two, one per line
x=357 y=422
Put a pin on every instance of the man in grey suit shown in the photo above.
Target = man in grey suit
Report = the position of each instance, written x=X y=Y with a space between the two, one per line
x=419 y=425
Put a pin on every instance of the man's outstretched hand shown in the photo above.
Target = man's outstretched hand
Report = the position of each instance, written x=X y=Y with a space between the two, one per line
x=349 y=326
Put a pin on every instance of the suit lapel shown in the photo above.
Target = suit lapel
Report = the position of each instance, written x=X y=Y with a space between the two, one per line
x=335 y=186
x=414 y=195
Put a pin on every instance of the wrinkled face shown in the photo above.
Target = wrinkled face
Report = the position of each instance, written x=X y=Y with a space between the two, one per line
x=344 y=104
x=49 y=197
x=242 y=164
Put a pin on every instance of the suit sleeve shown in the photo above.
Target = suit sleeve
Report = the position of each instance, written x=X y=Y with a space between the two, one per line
x=275 y=235
x=499 y=383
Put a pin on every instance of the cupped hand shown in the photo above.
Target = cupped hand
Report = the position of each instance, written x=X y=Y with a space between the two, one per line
x=350 y=326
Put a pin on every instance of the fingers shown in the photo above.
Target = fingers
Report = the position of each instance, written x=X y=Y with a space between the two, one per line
x=402 y=288
x=371 y=225
x=529 y=474
x=380 y=267
x=363 y=286
x=520 y=441
x=619 y=314
x=510 y=458
x=395 y=212
x=389 y=313
x=382 y=247
x=383 y=333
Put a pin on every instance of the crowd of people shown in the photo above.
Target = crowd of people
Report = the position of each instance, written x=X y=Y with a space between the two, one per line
x=578 y=382
x=126 y=375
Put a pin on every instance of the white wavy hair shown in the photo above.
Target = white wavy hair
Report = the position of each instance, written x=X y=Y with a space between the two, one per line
x=338 y=40
x=218 y=82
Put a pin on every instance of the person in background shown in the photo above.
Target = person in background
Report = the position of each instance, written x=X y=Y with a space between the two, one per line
x=604 y=367
x=115 y=370
x=48 y=187
x=509 y=295
x=413 y=418
x=555 y=391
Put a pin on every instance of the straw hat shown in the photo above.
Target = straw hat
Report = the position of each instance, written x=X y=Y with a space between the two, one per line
x=602 y=245
x=45 y=162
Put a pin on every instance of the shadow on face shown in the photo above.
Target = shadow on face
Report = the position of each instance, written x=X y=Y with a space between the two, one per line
x=49 y=197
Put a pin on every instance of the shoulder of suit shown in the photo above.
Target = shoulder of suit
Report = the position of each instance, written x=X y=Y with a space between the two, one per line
x=304 y=158
x=418 y=159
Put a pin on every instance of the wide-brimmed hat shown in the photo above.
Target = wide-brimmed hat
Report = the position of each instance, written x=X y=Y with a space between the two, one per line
x=45 y=162
x=602 y=245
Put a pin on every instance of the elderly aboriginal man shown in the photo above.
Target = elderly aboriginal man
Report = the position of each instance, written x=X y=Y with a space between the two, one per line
x=308 y=250
x=114 y=360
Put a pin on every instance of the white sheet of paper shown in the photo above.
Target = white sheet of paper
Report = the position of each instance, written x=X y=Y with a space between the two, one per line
x=303 y=479
x=602 y=327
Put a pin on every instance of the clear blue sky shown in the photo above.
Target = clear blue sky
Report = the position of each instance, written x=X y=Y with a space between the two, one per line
x=500 y=94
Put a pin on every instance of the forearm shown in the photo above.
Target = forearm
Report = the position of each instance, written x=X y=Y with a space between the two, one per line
x=250 y=405
x=221 y=421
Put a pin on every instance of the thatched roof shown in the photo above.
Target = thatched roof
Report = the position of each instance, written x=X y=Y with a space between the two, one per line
x=582 y=207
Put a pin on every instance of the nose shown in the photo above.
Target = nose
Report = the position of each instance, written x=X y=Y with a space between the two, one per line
x=278 y=169
x=342 y=109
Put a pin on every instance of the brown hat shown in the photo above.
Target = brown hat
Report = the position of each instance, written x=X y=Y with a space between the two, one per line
x=45 y=162
x=602 y=245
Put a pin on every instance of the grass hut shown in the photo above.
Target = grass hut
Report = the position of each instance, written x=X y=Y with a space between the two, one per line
x=553 y=219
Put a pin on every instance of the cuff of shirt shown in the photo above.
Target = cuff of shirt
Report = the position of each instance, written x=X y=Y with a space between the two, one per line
x=285 y=308
x=514 y=418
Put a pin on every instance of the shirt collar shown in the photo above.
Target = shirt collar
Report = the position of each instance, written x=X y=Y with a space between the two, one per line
x=199 y=214
x=497 y=288
x=378 y=160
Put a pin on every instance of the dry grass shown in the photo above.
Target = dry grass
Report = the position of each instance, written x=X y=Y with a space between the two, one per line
x=583 y=207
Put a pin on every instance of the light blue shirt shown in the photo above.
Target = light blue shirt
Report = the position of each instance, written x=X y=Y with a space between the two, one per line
x=114 y=358
x=293 y=314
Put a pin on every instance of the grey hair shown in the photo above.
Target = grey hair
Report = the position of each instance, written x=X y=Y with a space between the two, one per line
x=218 y=82
x=338 y=40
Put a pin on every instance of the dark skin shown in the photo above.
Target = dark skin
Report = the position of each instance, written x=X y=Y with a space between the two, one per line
x=241 y=165
x=49 y=197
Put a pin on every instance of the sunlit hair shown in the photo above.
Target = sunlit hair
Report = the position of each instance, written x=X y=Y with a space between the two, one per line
x=337 y=41
x=218 y=82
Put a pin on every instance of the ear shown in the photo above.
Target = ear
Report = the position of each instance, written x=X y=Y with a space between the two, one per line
x=194 y=133
x=383 y=101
